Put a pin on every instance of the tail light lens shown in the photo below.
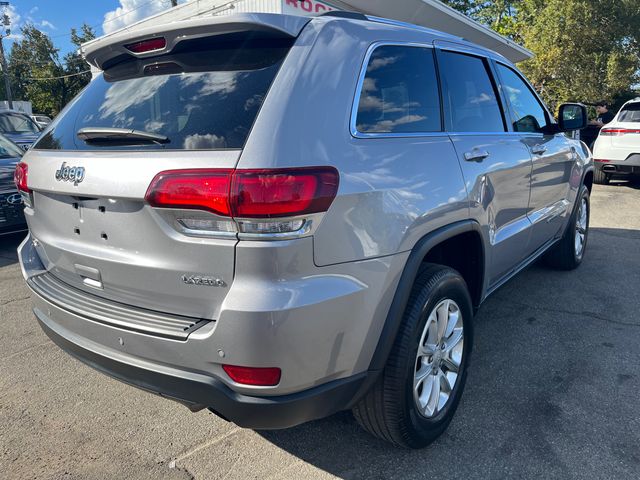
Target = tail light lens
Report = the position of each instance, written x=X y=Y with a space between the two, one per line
x=260 y=377
x=192 y=189
x=257 y=197
x=20 y=176
x=617 y=132
x=282 y=193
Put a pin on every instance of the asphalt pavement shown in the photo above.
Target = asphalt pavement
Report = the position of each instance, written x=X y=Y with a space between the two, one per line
x=553 y=392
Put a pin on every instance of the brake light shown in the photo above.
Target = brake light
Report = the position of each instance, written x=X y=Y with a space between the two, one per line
x=20 y=177
x=149 y=45
x=260 y=377
x=247 y=194
x=617 y=132
x=282 y=193
x=192 y=189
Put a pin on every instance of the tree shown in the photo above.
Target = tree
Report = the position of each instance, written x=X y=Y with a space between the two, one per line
x=75 y=64
x=38 y=75
x=585 y=50
x=34 y=56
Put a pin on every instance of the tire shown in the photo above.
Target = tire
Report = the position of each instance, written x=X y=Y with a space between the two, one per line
x=390 y=410
x=565 y=255
x=600 y=177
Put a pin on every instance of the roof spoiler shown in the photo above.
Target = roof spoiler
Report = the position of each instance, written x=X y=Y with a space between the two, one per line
x=98 y=52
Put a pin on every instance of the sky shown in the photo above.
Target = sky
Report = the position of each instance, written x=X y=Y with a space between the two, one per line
x=57 y=17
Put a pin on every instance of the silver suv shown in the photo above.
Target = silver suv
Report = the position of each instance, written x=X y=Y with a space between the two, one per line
x=278 y=218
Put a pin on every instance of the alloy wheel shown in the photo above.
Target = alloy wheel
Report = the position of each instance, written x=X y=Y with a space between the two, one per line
x=439 y=358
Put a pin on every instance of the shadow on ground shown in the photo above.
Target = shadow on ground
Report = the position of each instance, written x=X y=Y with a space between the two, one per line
x=8 y=247
x=552 y=389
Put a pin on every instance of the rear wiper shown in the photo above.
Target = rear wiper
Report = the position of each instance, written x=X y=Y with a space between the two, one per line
x=123 y=136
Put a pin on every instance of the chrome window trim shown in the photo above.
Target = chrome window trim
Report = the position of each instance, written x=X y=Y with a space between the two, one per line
x=363 y=72
x=353 y=128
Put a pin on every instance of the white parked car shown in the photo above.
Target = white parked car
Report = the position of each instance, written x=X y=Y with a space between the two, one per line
x=617 y=148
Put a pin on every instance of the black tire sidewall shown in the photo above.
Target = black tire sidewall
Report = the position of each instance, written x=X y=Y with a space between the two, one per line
x=582 y=194
x=454 y=288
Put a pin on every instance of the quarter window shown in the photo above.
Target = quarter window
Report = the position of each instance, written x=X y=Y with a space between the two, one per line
x=400 y=92
x=526 y=112
x=471 y=103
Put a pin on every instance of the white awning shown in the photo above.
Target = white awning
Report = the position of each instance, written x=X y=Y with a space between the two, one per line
x=437 y=15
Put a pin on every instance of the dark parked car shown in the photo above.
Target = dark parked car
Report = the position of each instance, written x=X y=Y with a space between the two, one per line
x=19 y=128
x=11 y=205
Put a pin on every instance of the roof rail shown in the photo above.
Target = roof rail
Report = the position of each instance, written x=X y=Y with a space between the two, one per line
x=346 y=14
x=413 y=26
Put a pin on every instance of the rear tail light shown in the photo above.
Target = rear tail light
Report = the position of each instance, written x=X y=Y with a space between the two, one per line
x=257 y=200
x=283 y=193
x=259 y=377
x=617 y=132
x=192 y=189
x=20 y=177
x=149 y=45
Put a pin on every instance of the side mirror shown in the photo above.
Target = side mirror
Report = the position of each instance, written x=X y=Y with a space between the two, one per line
x=572 y=116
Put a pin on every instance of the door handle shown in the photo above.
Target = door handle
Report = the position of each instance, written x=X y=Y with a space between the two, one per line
x=538 y=149
x=476 y=155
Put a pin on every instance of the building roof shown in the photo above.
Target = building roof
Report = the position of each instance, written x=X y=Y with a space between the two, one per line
x=438 y=16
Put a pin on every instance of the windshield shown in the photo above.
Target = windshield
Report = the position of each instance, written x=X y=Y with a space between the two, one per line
x=630 y=113
x=204 y=96
x=8 y=149
x=17 y=123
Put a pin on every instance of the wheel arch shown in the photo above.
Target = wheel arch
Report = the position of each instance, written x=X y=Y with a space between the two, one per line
x=587 y=179
x=434 y=245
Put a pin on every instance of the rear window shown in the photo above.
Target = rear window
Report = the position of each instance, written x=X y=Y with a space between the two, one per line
x=204 y=96
x=630 y=113
x=17 y=123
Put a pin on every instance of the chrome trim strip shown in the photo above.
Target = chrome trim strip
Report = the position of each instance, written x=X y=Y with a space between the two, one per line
x=112 y=313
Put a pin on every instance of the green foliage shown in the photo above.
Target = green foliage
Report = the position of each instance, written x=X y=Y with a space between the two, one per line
x=37 y=74
x=585 y=50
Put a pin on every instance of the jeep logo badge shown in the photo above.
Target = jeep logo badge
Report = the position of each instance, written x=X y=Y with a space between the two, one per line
x=70 y=174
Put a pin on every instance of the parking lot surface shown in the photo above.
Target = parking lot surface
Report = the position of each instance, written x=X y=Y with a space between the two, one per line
x=552 y=391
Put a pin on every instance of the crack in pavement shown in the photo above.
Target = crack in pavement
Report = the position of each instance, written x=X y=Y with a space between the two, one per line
x=15 y=354
x=173 y=463
x=7 y=302
x=582 y=314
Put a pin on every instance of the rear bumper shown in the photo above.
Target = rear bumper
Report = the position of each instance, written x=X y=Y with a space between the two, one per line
x=628 y=166
x=315 y=343
x=198 y=390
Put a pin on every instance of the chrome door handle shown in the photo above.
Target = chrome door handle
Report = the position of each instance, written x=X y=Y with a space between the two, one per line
x=538 y=149
x=476 y=155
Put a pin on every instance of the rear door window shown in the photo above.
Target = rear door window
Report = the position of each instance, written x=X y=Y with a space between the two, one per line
x=630 y=113
x=205 y=95
x=470 y=100
x=400 y=92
